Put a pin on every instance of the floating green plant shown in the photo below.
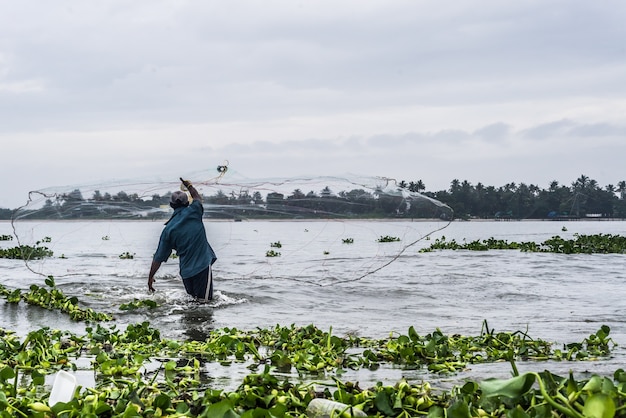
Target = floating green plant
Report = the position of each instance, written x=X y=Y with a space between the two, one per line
x=276 y=244
x=140 y=374
x=348 y=240
x=127 y=256
x=581 y=244
x=27 y=252
x=54 y=299
x=272 y=253
x=388 y=238
x=6 y=237
x=137 y=304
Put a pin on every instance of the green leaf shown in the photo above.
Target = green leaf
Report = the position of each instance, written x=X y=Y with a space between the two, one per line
x=469 y=388
x=162 y=401
x=221 y=409
x=131 y=411
x=383 y=403
x=182 y=408
x=6 y=373
x=436 y=412
x=517 y=413
x=620 y=375
x=413 y=334
x=102 y=408
x=604 y=331
x=458 y=409
x=278 y=410
x=599 y=405
x=39 y=378
x=398 y=402
x=510 y=388
x=594 y=384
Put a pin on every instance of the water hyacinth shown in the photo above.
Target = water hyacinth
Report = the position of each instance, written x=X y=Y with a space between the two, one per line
x=581 y=244
x=138 y=373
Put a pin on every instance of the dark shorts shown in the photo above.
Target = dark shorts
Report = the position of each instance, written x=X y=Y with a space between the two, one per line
x=200 y=286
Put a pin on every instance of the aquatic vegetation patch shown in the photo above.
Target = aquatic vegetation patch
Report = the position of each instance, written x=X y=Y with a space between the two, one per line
x=28 y=252
x=388 y=238
x=272 y=253
x=139 y=374
x=53 y=298
x=5 y=237
x=138 y=304
x=580 y=244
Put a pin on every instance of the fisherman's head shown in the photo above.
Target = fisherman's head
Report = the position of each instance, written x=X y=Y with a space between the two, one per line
x=179 y=200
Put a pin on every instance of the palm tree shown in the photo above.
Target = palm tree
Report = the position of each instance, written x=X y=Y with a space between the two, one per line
x=621 y=188
x=554 y=185
x=417 y=186
x=581 y=182
x=455 y=185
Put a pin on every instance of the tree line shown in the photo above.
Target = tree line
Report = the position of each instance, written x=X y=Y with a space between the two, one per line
x=584 y=198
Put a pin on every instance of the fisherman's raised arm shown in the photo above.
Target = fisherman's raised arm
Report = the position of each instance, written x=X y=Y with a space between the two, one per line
x=192 y=190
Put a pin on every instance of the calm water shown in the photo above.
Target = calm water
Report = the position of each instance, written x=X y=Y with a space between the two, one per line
x=320 y=280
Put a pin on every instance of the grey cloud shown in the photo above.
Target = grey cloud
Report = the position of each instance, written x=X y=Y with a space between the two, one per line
x=385 y=141
x=417 y=139
x=451 y=135
x=550 y=129
x=568 y=128
x=494 y=132
x=131 y=63
x=598 y=130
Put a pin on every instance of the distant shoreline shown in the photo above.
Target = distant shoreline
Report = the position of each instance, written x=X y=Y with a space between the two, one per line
x=99 y=220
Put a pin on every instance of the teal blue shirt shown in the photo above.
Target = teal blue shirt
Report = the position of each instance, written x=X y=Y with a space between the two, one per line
x=185 y=233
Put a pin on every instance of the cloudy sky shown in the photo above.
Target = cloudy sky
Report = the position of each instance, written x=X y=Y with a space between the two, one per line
x=487 y=91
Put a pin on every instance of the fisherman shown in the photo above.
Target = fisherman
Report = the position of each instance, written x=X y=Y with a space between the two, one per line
x=185 y=233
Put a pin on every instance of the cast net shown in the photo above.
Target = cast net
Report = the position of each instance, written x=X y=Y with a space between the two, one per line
x=321 y=230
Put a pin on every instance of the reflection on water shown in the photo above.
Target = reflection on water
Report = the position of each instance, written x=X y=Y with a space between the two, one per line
x=196 y=321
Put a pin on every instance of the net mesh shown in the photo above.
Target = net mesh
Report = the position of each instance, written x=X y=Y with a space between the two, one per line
x=334 y=210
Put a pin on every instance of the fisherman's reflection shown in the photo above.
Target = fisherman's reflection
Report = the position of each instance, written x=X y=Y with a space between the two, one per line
x=197 y=322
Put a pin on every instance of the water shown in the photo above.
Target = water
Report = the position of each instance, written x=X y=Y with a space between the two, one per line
x=320 y=280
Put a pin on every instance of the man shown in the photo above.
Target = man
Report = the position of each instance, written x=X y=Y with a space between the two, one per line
x=184 y=232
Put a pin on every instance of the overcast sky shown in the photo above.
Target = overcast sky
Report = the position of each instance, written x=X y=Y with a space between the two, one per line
x=487 y=91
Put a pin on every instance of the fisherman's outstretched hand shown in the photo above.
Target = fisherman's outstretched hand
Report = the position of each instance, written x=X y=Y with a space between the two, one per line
x=186 y=183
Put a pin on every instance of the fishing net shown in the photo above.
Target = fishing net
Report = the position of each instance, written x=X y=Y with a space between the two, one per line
x=322 y=230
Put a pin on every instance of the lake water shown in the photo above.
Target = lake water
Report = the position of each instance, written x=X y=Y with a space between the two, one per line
x=366 y=288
